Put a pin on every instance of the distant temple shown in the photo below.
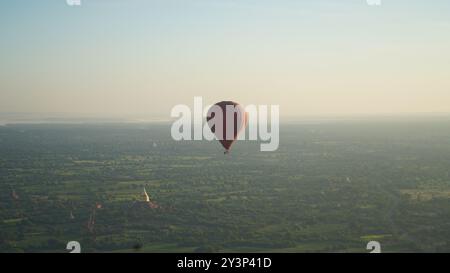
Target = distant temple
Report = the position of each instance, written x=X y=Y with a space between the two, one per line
x=147 y=198
x=14 y=195
x=91 y=222
x=146 y=202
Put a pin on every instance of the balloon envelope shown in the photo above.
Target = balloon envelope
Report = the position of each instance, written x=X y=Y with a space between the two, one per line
x=227 y=130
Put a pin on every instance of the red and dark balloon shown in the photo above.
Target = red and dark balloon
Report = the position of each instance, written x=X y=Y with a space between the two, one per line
x=239 y=122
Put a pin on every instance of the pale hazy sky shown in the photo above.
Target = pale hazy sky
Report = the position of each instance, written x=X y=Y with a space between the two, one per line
x=141 y=57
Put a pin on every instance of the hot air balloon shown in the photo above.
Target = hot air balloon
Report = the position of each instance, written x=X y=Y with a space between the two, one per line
x=227 y=131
